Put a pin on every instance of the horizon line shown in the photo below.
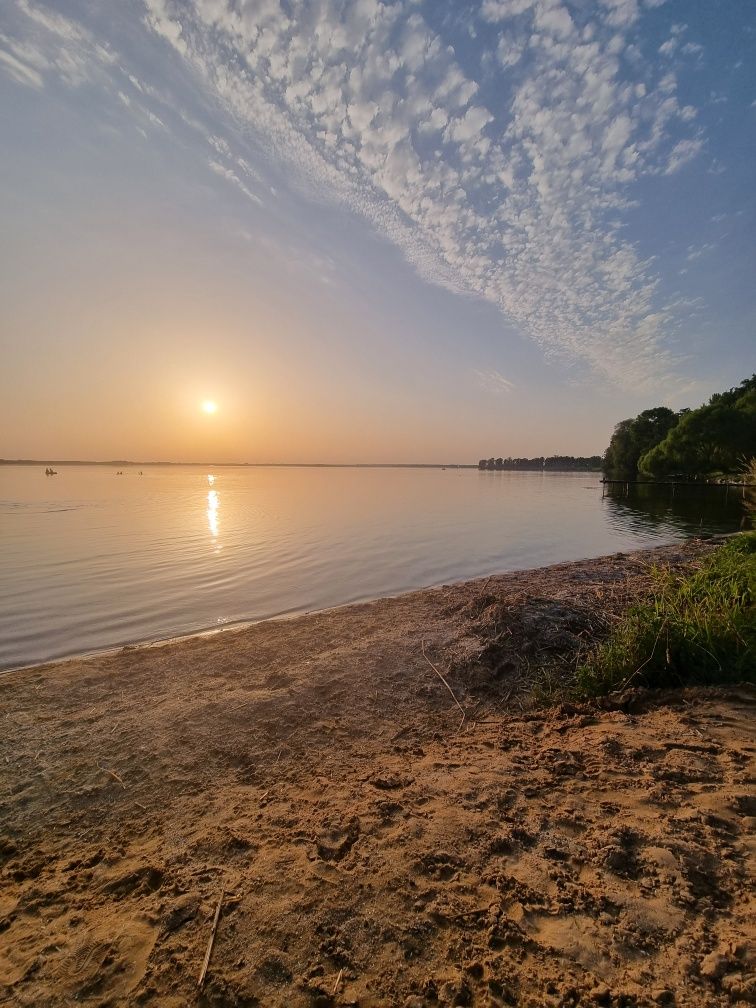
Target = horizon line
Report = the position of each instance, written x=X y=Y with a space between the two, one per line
x=296 y=465
x=292 y=465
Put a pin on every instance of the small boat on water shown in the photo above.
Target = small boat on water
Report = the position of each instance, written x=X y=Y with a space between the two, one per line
x=51 y=472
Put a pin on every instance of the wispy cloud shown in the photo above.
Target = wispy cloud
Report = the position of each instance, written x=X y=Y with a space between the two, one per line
x=493 y=381
x=22 y=70
x=683 y=152
x=50 y=45
x=695 y=252
x=231 y=176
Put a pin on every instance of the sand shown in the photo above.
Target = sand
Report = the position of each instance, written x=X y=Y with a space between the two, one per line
x=373 y=850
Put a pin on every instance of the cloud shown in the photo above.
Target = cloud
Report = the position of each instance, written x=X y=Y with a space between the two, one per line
x=555 y=20
x=17 y=68
x=52 y=22
x=493 y=381
x=48 y=44
x=510 y=184
x=675 y=44
x=517 y=204
x=692 y=49
x=510 y=49
x=621 y=13
x=466 y=127
x=231 y=176
x=501 y=10
x=683 y=152
x=695 y=252
x=159 y=21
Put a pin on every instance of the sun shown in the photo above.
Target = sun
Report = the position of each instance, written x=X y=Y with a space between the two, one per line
x=209 y=406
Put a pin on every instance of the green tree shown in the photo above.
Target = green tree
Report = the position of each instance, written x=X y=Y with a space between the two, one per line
x=717 y=437
x=634 y=438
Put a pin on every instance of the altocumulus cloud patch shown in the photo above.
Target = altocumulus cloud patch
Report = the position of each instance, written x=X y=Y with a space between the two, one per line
x=509 y=184
x=502 y=165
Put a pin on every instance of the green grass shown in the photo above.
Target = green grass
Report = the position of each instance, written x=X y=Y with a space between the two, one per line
x=696 y=629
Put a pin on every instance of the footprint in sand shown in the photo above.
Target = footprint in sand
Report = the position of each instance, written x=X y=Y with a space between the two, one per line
x=335 y=844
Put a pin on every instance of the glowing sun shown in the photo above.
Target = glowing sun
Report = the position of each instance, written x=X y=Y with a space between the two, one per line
x=209 y=406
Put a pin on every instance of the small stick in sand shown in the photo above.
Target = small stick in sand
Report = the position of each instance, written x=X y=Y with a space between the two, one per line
x=338 y=981
x=210 y=942
x=451 y=691
x=114 y=775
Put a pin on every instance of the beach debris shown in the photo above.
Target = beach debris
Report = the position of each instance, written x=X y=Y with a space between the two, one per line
x=338 y=983
x=517 y=638
x=443 y=680
x=211 y=940
x=114 y=775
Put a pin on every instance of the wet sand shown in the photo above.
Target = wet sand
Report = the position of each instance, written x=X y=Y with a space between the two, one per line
x=376 y=848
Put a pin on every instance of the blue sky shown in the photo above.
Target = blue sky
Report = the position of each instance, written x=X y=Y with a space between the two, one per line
x=373 y=231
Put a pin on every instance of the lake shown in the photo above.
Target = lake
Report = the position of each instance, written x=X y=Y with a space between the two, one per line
x=90 y=559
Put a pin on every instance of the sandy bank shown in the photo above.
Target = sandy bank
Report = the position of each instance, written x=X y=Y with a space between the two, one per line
x=374 y=851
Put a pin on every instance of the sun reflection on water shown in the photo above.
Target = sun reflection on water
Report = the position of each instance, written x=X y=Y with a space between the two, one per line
x=213 y=505
x=212 y=512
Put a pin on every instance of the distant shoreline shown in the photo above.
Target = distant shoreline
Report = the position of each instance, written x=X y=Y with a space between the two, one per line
x=246 y=465
x=279 y=465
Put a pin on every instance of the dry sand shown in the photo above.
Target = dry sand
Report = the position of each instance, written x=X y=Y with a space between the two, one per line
x=373 y=851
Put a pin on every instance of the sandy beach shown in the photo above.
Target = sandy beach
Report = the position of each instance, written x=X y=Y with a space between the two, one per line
x=381 y=837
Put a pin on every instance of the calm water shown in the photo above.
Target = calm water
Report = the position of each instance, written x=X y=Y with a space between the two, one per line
x=89 y=559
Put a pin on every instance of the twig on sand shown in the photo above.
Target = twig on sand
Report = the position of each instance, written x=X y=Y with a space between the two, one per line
x=468 y=913
x=400 y=733
x=451 y=691
x=338 y=981
x=114 y=775
x=210 y=941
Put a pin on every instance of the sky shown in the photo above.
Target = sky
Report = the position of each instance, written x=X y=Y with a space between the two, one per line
x=369 y=232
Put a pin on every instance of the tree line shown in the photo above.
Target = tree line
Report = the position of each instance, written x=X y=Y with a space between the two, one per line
x=717 y=438
x=559 y=463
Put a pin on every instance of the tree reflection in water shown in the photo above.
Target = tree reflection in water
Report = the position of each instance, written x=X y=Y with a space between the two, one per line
x=706 y=509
